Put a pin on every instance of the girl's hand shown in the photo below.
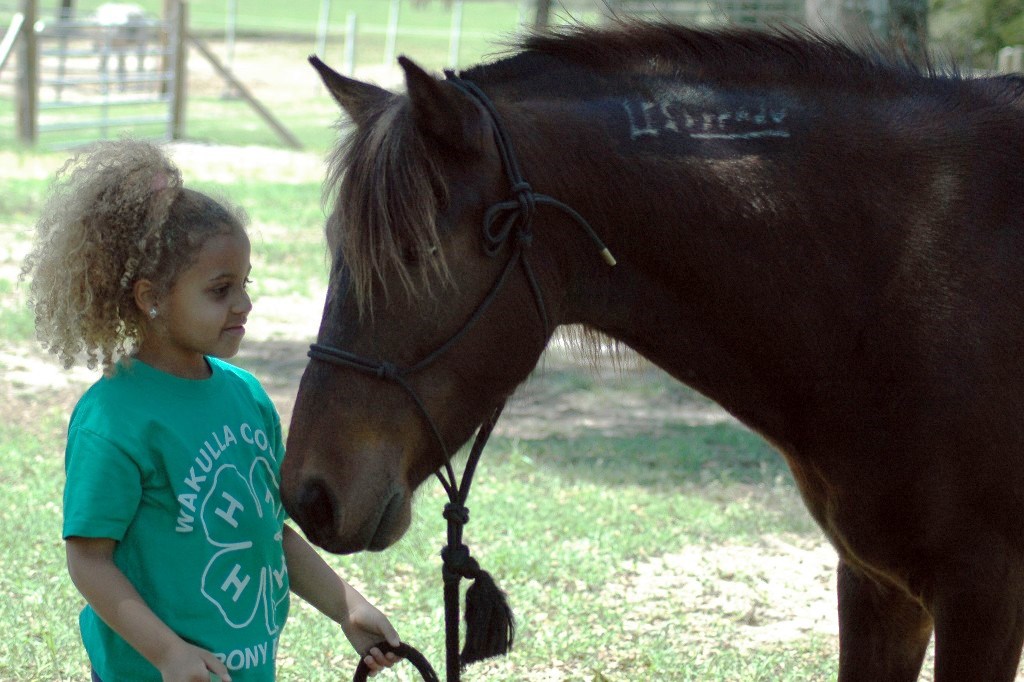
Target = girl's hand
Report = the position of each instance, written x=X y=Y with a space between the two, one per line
x=189 y=663
x=364 y=627
x=118 y=603
x=316 y=582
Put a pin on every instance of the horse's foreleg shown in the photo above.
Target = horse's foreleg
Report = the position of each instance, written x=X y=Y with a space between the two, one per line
x=883 y=633
x=979 y=623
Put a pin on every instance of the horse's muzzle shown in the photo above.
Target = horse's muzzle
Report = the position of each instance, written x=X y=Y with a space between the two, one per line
x=343 y=528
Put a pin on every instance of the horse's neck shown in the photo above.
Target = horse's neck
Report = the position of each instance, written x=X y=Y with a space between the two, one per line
x=709 y=201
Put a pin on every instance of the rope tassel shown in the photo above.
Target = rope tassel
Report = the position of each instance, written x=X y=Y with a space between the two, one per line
x=490 y=624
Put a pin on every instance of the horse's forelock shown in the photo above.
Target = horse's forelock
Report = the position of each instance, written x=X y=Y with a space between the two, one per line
x=387 y=188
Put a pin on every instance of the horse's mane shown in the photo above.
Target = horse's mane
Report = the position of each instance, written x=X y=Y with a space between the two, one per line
x=391 y=188
x=789 y=55
x=387 y=183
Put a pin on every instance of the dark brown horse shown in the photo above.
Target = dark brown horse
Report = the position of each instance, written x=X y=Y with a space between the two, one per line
x=827 y=242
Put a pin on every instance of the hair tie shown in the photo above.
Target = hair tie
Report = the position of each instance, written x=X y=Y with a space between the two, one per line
x=159 y=182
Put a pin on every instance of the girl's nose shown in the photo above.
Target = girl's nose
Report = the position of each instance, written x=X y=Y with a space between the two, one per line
x=244 y=304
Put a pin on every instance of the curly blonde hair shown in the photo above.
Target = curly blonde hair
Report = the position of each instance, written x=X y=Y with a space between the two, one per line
x=116 y=213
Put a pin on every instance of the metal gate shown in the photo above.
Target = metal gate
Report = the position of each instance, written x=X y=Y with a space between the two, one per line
x=113 y=72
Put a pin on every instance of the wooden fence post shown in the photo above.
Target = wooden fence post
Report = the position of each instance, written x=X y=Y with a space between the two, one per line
x=244 y=93
x=455 y=37
x=391 y=37
x=11 y=38
x=348 y=66
x=1011 y=59
x=28 y=77
x=178 y=23
x=323 y=27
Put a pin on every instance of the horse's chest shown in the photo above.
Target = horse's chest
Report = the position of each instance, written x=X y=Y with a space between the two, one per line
x=868 y=526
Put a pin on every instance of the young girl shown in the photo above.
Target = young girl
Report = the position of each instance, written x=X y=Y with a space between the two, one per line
x=173 y=524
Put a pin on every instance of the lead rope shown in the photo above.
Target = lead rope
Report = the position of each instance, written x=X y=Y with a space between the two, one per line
x=490 y=624
x=405 y=651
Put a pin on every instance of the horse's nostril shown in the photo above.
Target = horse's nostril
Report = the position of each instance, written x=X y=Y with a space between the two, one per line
x=316 y=510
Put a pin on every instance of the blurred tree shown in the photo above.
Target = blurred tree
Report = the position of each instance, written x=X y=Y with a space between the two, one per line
x=908 y=26
x=976 y=30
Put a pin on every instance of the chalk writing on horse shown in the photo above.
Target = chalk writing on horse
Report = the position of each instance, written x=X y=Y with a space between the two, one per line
x=826 y=242
x=672 y=112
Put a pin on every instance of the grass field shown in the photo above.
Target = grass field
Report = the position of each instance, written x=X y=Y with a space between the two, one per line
x=639 y=532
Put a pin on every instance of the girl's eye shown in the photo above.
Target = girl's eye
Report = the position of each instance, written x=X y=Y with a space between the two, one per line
x=222 y=290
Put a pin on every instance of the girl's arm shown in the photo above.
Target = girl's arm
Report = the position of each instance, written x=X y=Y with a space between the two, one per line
x=317 y=583
x=118 y=603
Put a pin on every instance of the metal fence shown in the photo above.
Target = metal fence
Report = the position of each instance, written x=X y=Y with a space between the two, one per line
x=100 y=76
x=739 y=12
x=84 y=78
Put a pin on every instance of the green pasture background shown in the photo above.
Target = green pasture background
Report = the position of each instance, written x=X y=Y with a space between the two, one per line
x=565 y=523
x=288 y=30
x=970 y=31
x=570 y=525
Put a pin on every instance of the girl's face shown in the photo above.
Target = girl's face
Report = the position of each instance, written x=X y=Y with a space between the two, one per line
x=205 y=311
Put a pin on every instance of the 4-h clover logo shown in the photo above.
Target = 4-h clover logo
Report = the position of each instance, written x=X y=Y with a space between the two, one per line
x=237 y=511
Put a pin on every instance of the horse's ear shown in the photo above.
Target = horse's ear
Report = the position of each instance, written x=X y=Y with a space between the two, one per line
x=443 y=111
x=358 y=99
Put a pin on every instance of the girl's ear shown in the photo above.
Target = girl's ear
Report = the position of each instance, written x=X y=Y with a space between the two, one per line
x=145 y=296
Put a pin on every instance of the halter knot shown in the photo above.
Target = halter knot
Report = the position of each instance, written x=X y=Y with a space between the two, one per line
x=386 y=370
x=527 y=200
x=522 y=187
x=457 y=563
x=456 y=512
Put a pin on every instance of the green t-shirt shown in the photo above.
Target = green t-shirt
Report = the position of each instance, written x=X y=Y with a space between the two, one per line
x=183 y=474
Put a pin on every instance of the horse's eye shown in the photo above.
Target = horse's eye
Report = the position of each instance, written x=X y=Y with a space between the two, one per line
x=414 y=255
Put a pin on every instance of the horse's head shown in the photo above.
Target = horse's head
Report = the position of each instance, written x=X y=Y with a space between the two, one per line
x=419 y=342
